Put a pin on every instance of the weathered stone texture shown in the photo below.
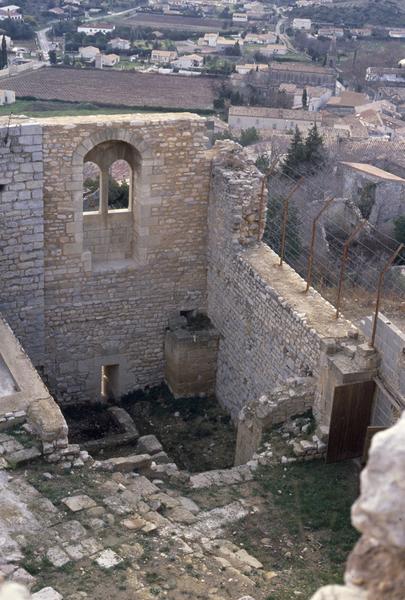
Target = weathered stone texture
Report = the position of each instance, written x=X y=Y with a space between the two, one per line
x=21 y=235
x=109 y=312
x=269 y=331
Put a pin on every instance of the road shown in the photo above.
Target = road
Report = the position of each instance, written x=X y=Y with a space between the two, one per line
x=44 y=43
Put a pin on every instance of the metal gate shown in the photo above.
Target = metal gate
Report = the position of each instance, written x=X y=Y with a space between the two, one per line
x=351 y=414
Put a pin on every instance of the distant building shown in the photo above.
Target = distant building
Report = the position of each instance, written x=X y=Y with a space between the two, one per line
x=260 y=38
x=94 y=28
x=361 y=32
x=302 y=24
x=110 y=60
x=189 y=61
x=88 y=53
x=274 y=50
x=346 y=102
x=7 y=97
x=330 y=32
x=239 y=17
x=269 y=119
x=11 y=11
x=163 y=57
x=388 y=75
x=120 y=44
x=397 y=34
x=250 y=67
x=302 y=74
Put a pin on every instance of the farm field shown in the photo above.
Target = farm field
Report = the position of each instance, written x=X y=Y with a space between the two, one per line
x=115 y=88
x=174 y=22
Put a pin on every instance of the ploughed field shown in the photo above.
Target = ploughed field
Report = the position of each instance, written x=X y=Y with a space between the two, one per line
x=115 y=88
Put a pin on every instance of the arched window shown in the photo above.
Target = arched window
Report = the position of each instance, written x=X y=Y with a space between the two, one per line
x=110 y=174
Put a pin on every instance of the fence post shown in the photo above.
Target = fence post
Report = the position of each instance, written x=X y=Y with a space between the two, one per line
x=379 y=290
x=285 y=218
x=312 y=246
x=344 y=260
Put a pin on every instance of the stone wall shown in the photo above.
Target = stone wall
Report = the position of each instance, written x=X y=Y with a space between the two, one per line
x=116 y=312
x=390 y=396
x=21 y=235
x=270 y=330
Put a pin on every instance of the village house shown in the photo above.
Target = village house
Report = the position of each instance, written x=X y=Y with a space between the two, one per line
x=267 y=120
x=120 y=44
x=346 y=102
x=386 y=74
x=317 y=97
x=7 y=97
x=243 y=69
x=397 y=34
x=239 y=17
x=361 y=32
x=88 y=53
x=93 y=29
x=110 y=60
x=330 y=32
x=11 y=11
x=189 y=61
x=302 y=24
x=260 y=38
x=163 y=57
x=274 y=50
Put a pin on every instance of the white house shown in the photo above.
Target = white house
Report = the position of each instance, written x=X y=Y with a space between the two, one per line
x=398 y=34
x=330 y=32
x=303 y=24
x=7 y=97
x=163 y=57
x=260 y=38
x=239 y=17
x=120 y=44
x=189 y=61
x=88 y=53
x=274 y=50
x=12 y=11
x=269 y=119
x=110 y=60
x=93 y=29
x=250 y=68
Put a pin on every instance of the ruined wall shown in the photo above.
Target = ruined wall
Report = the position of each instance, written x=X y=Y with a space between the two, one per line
x=390 y=393
x=116 y=312
x=269 y=330
x=21 y=235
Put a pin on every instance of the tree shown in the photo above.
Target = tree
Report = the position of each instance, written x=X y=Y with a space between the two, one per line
x=304 y=98
x=399 y=229
x=4 y=58
x=52 y=57
x=296 y=154
x=314 y=150
x=249 y=136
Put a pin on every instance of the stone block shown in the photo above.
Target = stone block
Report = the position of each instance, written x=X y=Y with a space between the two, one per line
x=47 y=420
x=126 y=464
x=149 y=444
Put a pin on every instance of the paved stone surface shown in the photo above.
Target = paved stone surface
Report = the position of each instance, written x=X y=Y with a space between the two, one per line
x=47 y=593
x=108 y=559
x=76 y=503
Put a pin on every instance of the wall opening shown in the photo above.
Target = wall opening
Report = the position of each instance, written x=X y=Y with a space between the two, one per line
x=110 y=174
x=91 y=187
x=110 y=383
x=119 y=185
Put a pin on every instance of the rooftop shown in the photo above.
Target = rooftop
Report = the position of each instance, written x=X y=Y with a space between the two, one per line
x=271 y=113
x=300 y=66
x=348 y=99
x=374 y=171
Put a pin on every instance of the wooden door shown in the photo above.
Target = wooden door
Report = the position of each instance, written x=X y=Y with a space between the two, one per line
x=351 y=415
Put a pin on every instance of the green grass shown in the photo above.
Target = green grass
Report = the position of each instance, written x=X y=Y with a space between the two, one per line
x=306 y=520
x=42 y=108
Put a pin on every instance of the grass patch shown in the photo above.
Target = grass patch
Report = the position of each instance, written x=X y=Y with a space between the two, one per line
x=303 y=531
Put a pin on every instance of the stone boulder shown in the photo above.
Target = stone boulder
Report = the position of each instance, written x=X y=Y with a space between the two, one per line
x=46 y=420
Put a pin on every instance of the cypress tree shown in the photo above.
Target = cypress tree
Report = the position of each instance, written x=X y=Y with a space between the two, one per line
x=4 y=59
x=304 y=98
x=314 y=150
x=295 y=156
